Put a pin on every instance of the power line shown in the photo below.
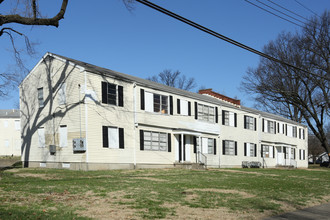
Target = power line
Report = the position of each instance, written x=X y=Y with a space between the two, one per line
x=220 y=36
x=307 y=8
x=273 y=13
x=288 y=10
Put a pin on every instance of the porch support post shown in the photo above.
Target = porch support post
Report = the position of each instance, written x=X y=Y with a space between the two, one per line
x=182 y=146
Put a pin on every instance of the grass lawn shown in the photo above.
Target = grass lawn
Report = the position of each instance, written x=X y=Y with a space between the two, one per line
x=161 y=193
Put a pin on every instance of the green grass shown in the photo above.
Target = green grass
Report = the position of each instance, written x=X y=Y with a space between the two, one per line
x=50 y=193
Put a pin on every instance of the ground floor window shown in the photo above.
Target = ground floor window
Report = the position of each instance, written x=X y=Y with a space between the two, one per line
x=113 y=137
x=229 y=147
x=155 y=141
x=250 y=149
x=267 y=151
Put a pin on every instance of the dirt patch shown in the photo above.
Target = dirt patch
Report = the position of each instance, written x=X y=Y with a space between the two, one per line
x=150 y=178
x=186 y=212
x=229 y=191
x=37 y=175
x=246 y=172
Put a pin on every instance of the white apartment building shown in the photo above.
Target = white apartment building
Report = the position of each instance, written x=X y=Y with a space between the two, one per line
x=80 y=116
x=10 y=133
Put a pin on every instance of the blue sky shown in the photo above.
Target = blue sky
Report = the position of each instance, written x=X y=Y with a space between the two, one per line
x=144 y=42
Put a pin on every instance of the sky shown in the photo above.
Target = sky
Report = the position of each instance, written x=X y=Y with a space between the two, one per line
x=143 y=42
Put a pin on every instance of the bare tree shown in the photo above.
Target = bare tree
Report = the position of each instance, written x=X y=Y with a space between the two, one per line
x=174 y=79
x=301 y=95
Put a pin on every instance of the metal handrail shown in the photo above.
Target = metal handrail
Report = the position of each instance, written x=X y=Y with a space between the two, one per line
x=202 y=158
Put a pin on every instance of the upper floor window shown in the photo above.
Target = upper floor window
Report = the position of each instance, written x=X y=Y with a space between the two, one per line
x=250 y=123
x=17 y=125
x=301 y=133
x=268 y=126
x=229 y=118
x=41 y=97
x=62 y=94
x=280 y=128
x=112 y=94
x=291 y=131
x=206 y=113
x=183 y=107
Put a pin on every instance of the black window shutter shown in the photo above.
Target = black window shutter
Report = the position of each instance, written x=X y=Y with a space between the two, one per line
x=121 y=138
x=178 y=106
x=294 y=153
x=255 y=124
x=274 y=127
x=189 y=108
x=235 y=119
x=169 y=142
x=299 y=133
x=104 y=92
x=255 y=150
x=262 y=151
x=244 y=149
x=141 y=140
x=142 y=98
x=284 y=150
x=171 y=105
x=216 y=115
x=105 y=136
x=120 y=96
x=223 y=147
x=303 y=154
x=196 y=110
x=273 y=151
x=263 y=125
x=245 y=118
x=286 y=129
x=235 y=147
x=299 y=154
x=223 y=117
x=195 y=144
x=278 y=127
x=215 y=146
x=283 y=129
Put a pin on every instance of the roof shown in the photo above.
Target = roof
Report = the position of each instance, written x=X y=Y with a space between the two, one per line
x=9 y=113
x=157 y=86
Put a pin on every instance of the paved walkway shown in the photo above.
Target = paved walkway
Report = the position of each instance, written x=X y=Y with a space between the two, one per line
x=320 y=212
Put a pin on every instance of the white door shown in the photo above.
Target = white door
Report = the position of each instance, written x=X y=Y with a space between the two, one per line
x=279 y=156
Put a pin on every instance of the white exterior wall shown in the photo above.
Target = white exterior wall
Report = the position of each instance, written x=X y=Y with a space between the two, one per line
x=91 y=114
x=10 y=137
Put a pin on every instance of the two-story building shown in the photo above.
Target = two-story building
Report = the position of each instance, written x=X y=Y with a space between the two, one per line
x=10 y=132
x=80 y=116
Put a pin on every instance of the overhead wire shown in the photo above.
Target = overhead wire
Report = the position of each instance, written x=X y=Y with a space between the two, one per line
x=307 y=8
x=278 y=5
x=220 y=36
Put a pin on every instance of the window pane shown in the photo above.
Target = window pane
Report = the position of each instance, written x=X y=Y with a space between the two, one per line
x=147 y=145
x=147 y=135
x=155 y=136
x=164 y=104
x=156 y=103
x=112 y=96
x=210 y=146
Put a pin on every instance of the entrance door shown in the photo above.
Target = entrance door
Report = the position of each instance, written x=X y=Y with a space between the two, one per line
x=279 y=156
x=182 y=149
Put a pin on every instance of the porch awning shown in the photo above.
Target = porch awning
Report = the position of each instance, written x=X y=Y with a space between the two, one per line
x=182 y=131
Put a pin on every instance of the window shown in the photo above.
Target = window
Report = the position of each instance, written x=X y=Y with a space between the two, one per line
x=229 y=118
x=268 y=126
x=41 y=137
x=291 y=131
x=301 y=133
x=301 y=154
x=250 y=150
x=113 y=137
x=112 y=94
x=280 y=128
x=5 y=123
x=267 y=151
x=6 y=143
x=17 y=125
x=206 y=113
x=183 y=107
x=208 y=145
x=294 y=131
x=156 y=103
x=293 y=153
x=41 y=97
x=250 y=123
x=155 y=141
x=62 y=94
x=63 y=136
x=229 y=147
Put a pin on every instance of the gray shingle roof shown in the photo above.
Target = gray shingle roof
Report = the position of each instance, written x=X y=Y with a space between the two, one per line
x=157 y=86
x=9 y=113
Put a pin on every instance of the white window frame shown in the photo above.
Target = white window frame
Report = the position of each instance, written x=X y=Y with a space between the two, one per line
x=113 y=137
x=41 y=137
x=249 y=122
x=62 y=94
x=183 y=107
x=150 y=103
x=63 y=135
x=155 y=141
x=229 y=118
x=206 y=113
x=230 y=148
x=267 y=151
x=250 y=151
x=40 y=97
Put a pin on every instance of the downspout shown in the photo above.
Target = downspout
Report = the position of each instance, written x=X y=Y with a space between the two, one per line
x=259 y=137
x=86 y=117
x=135 y=125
